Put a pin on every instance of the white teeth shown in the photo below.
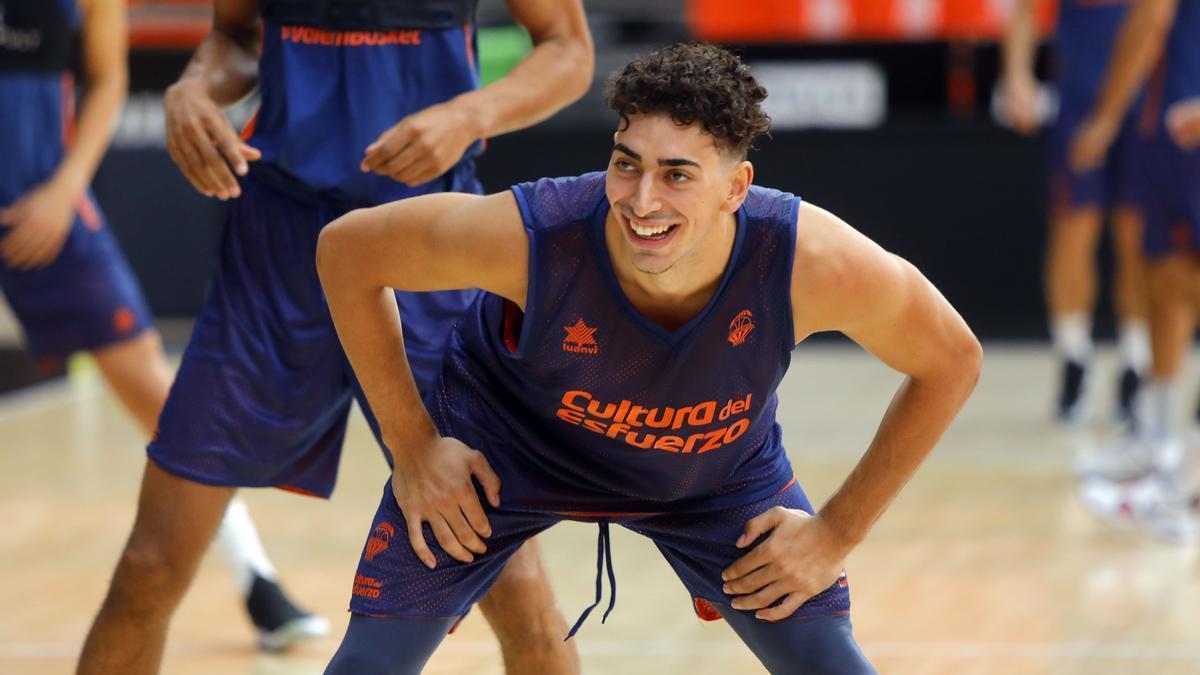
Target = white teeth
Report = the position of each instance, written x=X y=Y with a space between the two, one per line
x=648 y=231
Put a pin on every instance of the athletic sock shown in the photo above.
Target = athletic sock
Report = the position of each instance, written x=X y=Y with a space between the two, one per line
x=242 y=549
x=1072 y=336
x=1160 y=399
x=1133 y=340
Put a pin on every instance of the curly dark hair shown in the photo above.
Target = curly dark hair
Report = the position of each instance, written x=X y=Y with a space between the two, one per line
x=694 y=83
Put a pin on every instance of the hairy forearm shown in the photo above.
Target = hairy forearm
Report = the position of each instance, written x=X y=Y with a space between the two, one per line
x=1020 y=41
x=1138 y=46
x=225 y=64
x=367 y=320
x=919 y=414
x=553 y=75
x=94 y=129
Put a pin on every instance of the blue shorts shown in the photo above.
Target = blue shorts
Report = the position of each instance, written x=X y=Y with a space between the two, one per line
x=86 y=299
x=1114 y=184
x=1171 y=201
x=392 y=582
x=263 y=392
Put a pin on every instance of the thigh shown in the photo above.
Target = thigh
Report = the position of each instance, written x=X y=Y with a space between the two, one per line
x=260 y=398
x=86 y=299
x=392 y=582
x=819 y=645
x=390 y=646
x=699 y=546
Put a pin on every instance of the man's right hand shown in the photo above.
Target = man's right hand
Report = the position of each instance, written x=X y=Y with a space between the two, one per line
x=432 y=484
x=203 y=142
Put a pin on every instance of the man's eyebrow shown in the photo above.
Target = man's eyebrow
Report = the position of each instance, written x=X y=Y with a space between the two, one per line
x=621 y=147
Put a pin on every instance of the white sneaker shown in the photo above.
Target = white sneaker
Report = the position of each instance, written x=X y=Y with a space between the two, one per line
x=1129 y=456
x=1151 y=504
x=293 y=631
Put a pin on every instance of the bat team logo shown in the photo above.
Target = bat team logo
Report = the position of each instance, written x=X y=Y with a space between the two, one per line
x=380 y=540
x=740 y=327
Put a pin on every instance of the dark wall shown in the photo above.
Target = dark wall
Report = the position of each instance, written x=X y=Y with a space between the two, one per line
x=962 y=201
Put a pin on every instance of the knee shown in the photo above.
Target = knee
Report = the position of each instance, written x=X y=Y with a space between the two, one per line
x=146 y=581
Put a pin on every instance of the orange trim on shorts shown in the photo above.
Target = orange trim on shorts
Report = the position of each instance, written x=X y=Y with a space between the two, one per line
x=299 y=491
x=88 y=213
x=248 y=130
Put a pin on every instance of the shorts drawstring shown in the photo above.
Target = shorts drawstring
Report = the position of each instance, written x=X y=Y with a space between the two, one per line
x=603 y=558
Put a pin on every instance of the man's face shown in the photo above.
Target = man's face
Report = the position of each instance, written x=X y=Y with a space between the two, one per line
x=669 y=186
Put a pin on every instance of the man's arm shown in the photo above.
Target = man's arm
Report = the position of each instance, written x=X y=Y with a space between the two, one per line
x=558 y=71
x=434 y=242
x=845 y=282
x=1020 y=85
x=42 y=218
x=223 y=71
x=1139 y=44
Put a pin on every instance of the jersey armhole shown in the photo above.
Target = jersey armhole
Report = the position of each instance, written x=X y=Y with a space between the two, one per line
x=790 y=255
x=515 y=323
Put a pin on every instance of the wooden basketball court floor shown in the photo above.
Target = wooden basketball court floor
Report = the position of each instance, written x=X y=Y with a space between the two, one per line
x=985 y=564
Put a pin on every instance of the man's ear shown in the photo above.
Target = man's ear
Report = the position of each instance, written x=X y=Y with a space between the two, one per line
x=740 y=178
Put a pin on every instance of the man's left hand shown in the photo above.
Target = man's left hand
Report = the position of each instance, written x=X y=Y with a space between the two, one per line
x=39 y=223
x=423 y=145
x=800 y=557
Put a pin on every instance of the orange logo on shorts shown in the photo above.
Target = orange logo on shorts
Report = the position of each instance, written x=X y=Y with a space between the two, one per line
x=124 y=320
x=380 y=540
x=367 y=587
x=740 y=327
x=580 y=338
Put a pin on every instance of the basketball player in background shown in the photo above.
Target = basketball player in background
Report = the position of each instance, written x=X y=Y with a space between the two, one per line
x=1081 y=200
x=60 y=266
x=1162 y=500
x=362 y=102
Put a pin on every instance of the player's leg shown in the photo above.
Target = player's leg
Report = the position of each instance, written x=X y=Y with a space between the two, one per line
x=818 y=645
x=389 y=646
x=412 y=608
x=1070 y=275
x=176 y=520
x=699 y=546
x=523 y=613
x=1130 y=303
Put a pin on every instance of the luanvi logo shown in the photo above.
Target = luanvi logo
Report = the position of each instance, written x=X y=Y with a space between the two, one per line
x=580 y=338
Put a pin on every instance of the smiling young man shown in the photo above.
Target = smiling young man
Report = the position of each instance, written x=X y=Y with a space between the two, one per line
x=622 y=367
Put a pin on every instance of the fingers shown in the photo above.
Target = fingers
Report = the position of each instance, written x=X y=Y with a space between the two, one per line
x=389 y=144
x=465 y=533
x=205 y=148
x=449 y=540
x=476 y=518
x=760 y=525
x=416 y=538
x=783 y=610
x=482 y=470
x=752 y=582
x=230 y=147
x=764 y=597
x=217 y=170
x=757 y=557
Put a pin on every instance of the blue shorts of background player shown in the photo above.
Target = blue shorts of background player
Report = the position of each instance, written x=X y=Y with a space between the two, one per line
x=263 y=393
x=392 y=585
x=1115 y=184
x=1171 y=203
x=85 y=300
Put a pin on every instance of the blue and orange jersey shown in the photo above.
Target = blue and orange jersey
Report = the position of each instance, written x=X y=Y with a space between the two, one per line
x=585 y=406
x=37 y=102
x=328 y=94
x=1087 y=30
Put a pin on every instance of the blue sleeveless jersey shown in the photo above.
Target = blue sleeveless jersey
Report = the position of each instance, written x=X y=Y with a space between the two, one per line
x=583 y=405
x=37 y=107
x=326 y=95
x=1087 y=30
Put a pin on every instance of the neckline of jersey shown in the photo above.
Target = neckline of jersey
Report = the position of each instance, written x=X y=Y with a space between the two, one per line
x=604 y=260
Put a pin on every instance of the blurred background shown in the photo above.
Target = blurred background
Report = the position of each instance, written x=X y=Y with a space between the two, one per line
x=881 y=109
